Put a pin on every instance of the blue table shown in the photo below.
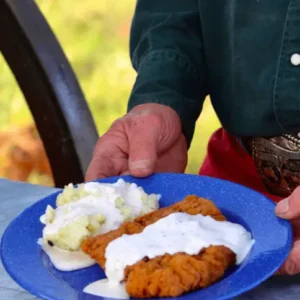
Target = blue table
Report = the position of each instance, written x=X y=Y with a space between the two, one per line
x=15 y=196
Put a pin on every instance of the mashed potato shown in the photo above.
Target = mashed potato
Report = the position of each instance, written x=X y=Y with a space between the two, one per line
x=93 y=208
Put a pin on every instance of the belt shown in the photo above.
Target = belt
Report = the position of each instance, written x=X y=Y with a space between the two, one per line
x=277 y=160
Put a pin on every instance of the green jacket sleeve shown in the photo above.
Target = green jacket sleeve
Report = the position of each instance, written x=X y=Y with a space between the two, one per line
x=167 y=53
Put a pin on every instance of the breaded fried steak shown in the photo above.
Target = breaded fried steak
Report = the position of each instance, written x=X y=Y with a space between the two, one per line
x=168 y=275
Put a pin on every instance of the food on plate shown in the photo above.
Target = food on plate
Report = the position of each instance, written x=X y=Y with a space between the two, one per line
x=170 y=251
x=173 y=275
x=192 y=205
x=87 y=210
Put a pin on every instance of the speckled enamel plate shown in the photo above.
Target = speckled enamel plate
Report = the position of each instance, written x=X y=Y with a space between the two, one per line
x=30 y=267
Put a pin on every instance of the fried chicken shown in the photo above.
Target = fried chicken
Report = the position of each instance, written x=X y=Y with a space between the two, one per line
x=174 y=275
x=168 y=275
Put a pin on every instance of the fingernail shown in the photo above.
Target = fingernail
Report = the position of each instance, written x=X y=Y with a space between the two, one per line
x=125 y=173
x=140 y=164
x=291 y=268
x=283 y=206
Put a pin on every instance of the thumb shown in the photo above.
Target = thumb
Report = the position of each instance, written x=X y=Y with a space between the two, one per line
x=143 y=147
x=292 y=264
x=289 y=208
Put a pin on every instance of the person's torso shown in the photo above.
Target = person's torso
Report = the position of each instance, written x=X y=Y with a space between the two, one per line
x=254 y=86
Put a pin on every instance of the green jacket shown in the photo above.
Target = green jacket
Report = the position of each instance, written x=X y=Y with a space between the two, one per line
x=237 y=51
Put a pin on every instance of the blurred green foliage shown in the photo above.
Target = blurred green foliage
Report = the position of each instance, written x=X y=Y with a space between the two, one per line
x=94 y=36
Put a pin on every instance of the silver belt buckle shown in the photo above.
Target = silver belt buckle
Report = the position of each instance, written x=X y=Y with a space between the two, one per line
x=277 y=160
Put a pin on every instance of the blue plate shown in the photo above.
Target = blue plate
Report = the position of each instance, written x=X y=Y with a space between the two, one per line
x=30 y=267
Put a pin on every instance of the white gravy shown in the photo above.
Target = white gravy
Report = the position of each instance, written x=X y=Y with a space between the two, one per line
x=107 y=289
x=64 y=260
x=178 y=232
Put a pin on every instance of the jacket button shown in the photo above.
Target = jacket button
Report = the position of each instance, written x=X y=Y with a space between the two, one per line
x=295 y=59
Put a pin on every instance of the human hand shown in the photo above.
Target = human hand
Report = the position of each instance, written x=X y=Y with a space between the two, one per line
x=146 y=140
x=289 y=209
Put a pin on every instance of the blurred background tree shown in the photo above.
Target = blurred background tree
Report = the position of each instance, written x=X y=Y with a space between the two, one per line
x=94 y=36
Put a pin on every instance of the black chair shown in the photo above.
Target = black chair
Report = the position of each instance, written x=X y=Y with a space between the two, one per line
x=50 y=87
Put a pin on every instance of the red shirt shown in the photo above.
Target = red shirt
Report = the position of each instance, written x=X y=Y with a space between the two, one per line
x=227 y=159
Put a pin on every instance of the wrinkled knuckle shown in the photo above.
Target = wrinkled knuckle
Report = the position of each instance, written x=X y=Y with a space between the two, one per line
x=144 y=121
x=102 y=148
x=118 y=123
x=99 y=144
x=155 y=120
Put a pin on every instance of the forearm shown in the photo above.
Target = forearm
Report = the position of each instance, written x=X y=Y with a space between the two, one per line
x=167 y=53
